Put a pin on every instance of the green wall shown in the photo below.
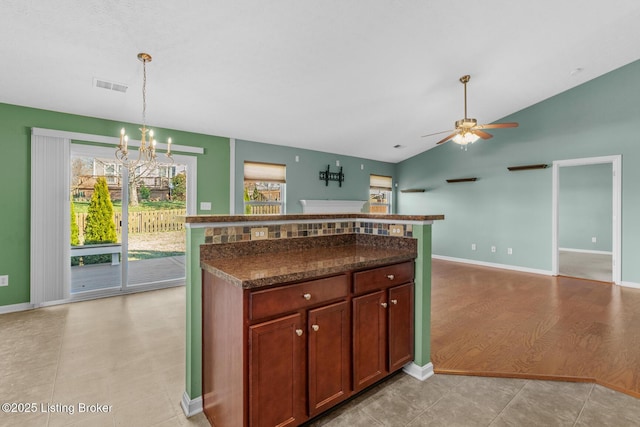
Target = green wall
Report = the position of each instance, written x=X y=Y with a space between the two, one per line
x=15 y=139
x=303 y=180
x=585 y=208
x=513 y=209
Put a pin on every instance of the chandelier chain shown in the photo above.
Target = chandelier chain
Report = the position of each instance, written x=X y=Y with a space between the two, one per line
x=146 y=160
x=144 y=92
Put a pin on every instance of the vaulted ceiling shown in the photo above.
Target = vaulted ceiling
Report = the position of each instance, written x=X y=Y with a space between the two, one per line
x=348 y=77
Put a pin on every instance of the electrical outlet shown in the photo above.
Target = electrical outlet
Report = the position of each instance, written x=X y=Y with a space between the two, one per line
x=473 y=246
x=493 y=248
x=259 y=233
x=205 y=206
x=594 y=240
x=396 y=230
x=4 y=280
x=509 y=251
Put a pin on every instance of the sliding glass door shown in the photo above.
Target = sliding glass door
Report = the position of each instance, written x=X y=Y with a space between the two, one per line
x=126 y=231
x=96 y=218
x=156 y=237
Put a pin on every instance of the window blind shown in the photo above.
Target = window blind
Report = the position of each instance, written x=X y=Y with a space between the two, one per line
x=269 y=172
x=380 y=182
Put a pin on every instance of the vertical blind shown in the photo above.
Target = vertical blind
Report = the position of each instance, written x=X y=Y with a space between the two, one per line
x=50 y=219
x=269 y=172
x=380 y=182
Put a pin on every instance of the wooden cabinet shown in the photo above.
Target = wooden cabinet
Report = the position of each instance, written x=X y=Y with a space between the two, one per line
x=282 y=355
x=382 y=323
x=329 y=356
x=369 y=339
x=299 y=364
x=401 y=318
x=276 y=372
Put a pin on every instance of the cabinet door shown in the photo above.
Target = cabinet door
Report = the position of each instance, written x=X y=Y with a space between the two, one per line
x=277 y=372
x=400 y=326
x=329 y=356
x=369 y=339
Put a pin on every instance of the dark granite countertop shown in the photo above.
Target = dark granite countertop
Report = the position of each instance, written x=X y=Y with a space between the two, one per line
x=196 y=219
x=265 y=269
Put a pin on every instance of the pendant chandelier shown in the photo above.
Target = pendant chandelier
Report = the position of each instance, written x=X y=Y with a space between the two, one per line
x=146 y=159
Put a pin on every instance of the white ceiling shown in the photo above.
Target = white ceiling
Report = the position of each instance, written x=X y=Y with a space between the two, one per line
x=347 y=77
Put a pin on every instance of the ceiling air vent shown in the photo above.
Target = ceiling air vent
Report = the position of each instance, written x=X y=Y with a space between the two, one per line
x=104 y=84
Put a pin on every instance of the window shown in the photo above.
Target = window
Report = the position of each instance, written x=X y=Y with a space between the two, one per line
x=111 y=173
x=264 y=188
x=380 y=194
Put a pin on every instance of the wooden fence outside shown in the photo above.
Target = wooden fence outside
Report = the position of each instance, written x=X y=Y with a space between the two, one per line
x=263 y=208
x=143 y=222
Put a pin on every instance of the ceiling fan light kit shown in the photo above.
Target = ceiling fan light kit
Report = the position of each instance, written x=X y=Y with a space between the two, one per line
x=467 y=130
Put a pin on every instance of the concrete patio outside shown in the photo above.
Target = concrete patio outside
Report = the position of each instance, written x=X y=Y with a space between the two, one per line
x=103 y=276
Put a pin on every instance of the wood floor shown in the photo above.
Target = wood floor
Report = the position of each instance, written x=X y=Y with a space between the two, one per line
x=501 y=323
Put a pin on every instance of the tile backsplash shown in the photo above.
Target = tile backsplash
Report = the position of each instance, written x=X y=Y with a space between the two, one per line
x=289 y=231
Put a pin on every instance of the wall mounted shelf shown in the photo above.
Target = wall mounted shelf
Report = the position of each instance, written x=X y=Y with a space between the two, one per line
x=462 y=180
x=413 y=190
x=527 y=167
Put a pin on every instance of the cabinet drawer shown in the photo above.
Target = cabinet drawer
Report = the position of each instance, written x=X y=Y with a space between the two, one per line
x=383 y=277
x=289 y=298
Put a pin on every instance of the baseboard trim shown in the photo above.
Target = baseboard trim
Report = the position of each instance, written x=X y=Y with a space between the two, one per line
x=630 y=285
x=191 y=407
x=494 y=265
x=16 y=307
x=586 y=251
x=419 y=372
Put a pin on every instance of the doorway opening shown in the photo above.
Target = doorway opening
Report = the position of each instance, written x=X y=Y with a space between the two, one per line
x=586 y=218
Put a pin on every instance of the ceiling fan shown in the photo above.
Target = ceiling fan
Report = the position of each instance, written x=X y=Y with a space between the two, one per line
x=468 y=130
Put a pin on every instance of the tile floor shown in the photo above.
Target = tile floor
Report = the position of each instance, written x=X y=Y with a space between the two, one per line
x=127 y=352
x=586 y=265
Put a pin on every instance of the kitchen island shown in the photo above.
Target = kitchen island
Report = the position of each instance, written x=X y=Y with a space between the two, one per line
x=304 y=249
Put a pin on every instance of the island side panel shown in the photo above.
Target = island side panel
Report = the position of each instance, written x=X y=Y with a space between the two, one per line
x=223 y=362
x=423 y=295
x=193 y=282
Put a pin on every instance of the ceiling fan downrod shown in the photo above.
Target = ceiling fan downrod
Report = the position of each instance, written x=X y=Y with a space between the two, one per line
x=464 y=80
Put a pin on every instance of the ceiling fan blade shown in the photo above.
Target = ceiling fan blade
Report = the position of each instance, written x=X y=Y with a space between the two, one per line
x=447 y=138
x=498 y=125
x=437 y=133
x=482 y=134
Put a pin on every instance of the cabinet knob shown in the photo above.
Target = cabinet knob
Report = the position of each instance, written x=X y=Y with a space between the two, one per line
x=394 y=301
x=384 y=305
x=390 y=276
x=306 y=296
x=315 y=327
x=299 y=332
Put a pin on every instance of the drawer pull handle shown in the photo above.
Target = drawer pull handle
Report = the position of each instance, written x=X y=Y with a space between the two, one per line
x=384 y=305
x=390 y=276
x=394 y=301
x=299 y=332
x=315 y=327
x=306 y=296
